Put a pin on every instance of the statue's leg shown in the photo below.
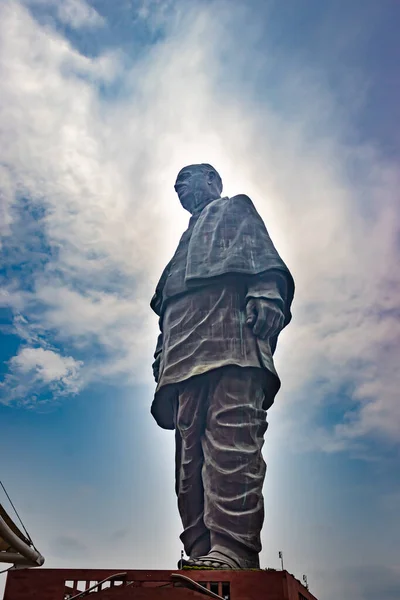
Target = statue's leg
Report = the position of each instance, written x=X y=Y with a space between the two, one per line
x=190 y=423
x=234 y=468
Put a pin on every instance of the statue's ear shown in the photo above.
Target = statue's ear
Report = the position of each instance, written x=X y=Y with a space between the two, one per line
x=211 y=177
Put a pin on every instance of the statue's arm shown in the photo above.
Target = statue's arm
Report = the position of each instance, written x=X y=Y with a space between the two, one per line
x=157 y=354
x=265 y=304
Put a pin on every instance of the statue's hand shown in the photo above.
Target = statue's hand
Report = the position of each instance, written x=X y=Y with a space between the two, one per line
x=264 y=317
x=156 y=368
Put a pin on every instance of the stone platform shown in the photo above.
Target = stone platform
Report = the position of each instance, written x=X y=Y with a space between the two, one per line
x=105 y=584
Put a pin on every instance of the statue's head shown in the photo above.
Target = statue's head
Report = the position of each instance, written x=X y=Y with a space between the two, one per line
x=197 y=186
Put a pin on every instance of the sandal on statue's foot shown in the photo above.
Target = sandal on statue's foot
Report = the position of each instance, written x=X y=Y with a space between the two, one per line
x=212 y=561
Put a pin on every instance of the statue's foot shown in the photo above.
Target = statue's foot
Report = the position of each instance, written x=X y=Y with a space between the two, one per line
x=213 y=560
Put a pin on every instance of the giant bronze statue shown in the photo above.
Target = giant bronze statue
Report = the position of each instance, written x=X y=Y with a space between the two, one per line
x=222 y=301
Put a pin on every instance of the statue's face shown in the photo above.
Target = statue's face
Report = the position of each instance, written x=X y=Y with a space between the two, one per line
x=195 y=187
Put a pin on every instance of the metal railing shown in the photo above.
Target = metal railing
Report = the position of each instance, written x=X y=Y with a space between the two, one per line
x=99 y=584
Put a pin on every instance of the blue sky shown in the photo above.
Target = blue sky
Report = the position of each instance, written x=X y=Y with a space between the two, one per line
x=296 y=104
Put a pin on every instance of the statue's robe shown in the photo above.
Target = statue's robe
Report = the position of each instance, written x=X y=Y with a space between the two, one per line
x=224 y=258
x=216 y=378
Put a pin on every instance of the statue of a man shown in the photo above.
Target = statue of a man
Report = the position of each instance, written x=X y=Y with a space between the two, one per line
x=222 y=301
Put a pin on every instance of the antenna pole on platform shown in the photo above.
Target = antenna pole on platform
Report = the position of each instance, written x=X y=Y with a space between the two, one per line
x=281 y=557
x=305 y=580
x=181 y=561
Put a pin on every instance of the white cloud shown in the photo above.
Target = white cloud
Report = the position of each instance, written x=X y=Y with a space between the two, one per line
x=35 y=371
x=103 y=169
x=48 y=365
x=78 y=13
x=75 y=13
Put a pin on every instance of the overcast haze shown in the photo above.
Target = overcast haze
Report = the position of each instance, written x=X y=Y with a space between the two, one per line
x=297 y=105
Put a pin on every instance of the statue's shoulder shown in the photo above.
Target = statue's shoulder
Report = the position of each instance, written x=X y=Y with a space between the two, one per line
x=242 y=198
x=241 y=201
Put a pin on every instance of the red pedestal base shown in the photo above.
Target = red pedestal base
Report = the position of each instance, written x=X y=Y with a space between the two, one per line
x=61 y=584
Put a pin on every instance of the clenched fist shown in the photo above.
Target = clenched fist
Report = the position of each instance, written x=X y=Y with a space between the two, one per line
x=264 y=317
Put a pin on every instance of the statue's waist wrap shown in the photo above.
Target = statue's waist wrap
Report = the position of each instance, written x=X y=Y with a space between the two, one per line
x=205 y=330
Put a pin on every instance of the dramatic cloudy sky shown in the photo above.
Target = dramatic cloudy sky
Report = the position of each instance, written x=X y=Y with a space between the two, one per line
x=297 y=105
